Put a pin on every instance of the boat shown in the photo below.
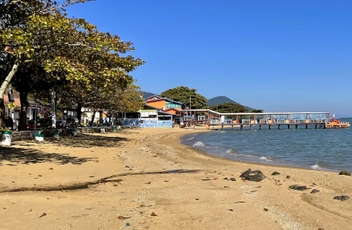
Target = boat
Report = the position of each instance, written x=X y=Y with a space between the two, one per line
x=336 y=124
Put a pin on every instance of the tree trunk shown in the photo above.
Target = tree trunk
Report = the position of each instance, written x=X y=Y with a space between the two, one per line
x=2 y=115
x=24 y=108
x=8 y=79
x=3 y=87
x=79 y=112
x=93 y=117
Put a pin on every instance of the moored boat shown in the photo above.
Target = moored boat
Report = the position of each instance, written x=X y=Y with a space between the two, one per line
x=336 y=124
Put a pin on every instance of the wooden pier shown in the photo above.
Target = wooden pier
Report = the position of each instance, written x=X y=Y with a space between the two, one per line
x=270 y=126
x=268 y=120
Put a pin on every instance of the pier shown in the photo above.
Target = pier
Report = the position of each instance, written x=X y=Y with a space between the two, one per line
x=268 y=120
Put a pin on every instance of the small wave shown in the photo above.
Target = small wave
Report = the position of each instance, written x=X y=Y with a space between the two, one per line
x=265 y=158
x=198 y=143
x=230 y=151
x=188 y=139
x=316 y=166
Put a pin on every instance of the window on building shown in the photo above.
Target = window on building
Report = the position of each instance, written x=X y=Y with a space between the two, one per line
x=172 y=105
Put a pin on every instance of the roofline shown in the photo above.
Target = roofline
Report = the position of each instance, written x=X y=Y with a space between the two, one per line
x=160 y=111
x=157 y=110
x=266 y=113
x=162 y=98
x=151 y=96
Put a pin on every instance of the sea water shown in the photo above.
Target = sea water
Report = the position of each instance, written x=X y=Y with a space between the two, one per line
x=319 y=149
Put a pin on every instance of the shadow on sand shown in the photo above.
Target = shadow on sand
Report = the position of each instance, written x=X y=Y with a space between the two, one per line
x=88 y=141
x=32 y=156
x=24 y=154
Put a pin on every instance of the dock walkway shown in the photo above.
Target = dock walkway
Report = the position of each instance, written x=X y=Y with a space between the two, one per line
x=216 y=120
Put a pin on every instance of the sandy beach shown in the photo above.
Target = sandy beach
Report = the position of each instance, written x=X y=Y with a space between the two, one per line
x=145 y=179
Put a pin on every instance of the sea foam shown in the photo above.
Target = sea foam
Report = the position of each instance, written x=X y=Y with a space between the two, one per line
x=198 y=143
x=316 y=166
x=230 y=151
x=265 y=158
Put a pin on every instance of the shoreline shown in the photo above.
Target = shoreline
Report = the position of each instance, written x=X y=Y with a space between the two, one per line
x=155 y=182
x=257 y=159
x=261 y=164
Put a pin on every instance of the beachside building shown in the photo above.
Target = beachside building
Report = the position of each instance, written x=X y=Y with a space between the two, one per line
x=153 y=117
x=157 y=112
x=165 y=104
x=12 y=109
x=166 y=107
x=15 y=106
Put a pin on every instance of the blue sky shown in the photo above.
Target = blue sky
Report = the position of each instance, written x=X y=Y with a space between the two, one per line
x=270 y=55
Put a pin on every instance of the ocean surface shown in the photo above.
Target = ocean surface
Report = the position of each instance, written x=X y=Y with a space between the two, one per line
x=318 y=149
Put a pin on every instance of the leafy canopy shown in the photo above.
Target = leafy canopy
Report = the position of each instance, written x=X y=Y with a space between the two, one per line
x=74 y=55
x=187 y=96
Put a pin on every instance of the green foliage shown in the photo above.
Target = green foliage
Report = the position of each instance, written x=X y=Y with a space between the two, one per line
x=128 y=100
x=186 y=96
x=114 y=99
x=70 y=46
x=73 y=57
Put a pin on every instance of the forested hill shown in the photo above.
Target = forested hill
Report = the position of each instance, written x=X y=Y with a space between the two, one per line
x=222 y=100
x=147 y=94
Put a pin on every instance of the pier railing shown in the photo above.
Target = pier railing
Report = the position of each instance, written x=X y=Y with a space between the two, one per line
x=266 y=122
x=206 y=116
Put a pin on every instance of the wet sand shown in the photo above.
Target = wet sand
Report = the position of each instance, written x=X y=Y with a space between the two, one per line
x=145 y=179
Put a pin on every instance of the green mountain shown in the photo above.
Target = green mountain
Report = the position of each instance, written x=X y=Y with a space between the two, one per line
x=147 y=94
x=220 y=100
x=223 y=99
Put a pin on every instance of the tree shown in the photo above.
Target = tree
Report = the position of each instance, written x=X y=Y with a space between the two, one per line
x=186 y=96
x=29 y=80
x=25 y=29
x=112 y=99
x=69 y=50
x=128 y=100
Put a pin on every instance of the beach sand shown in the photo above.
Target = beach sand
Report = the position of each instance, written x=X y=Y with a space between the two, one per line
x=145 y=179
